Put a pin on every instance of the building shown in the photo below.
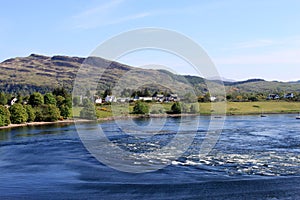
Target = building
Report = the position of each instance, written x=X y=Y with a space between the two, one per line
x=159 y=98
x=212 y=98
x=110 y=99
x=273 y=97
x=172 y=97
x=123 y=100
x=13 y=101
x=145 y=98
x=289 y=96
x=98 y=101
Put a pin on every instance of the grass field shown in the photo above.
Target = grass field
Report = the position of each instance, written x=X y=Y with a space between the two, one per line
x=232 y=108
x=243 y=108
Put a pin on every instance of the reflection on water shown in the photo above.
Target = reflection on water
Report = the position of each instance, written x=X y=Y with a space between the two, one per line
x=4 y=135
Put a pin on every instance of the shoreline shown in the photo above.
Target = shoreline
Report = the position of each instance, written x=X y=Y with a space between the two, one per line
x=67 y=121
x=73 y=121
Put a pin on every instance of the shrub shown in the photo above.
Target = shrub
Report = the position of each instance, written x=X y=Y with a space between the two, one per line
x=88 y=112
x=184 y=108
x=176 y=108
x=194 y=108
x=140 y=108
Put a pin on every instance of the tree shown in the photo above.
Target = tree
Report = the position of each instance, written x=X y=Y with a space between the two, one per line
x=60 y=100
x=53 y=113
x=68 y=102
x=76 y=101
x=18 y=114
x=19 y=98
x=207 y=97
x=134 y=94
x=60 y=91
x=36 y=99
x=88 y=112
x=88 y=93
x=140 y=108
x=229 y=97
x=176 y=108
x=1 y=120
x=26 y=98
x=47 y=113
x=65 y=111
x=3 y=99
x=5 y=116
x=155 y=94
x=146 y=93
x=49 y=99
x=30 y=112
x=86 y=102
x=107 y=92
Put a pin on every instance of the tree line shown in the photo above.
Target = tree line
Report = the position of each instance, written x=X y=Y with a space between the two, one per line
x=35 y=107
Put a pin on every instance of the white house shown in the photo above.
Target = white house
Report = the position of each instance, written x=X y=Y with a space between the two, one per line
x=212 y=98
x=273 y=97
x=110 y=99
x=173 y=97
x=159 y=98
x=289 y=95
x=123 y=100
x=145 y=98
x=13 y=101
x=98 y=101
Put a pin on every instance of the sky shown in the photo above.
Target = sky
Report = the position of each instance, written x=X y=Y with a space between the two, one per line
x=244 y=39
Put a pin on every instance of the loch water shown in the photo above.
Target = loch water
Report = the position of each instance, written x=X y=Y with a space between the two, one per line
x=253 y=158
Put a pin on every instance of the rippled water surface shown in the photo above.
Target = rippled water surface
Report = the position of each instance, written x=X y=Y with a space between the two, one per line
x=254 y=158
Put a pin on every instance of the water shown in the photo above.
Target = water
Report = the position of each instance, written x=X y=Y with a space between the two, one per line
x=254 y=158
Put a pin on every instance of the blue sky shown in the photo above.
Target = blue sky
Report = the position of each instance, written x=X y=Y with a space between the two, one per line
x=245 y=39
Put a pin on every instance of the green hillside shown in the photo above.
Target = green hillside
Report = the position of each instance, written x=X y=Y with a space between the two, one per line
x=43 y=73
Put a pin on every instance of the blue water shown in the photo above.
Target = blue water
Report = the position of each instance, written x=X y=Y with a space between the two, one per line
x=254 y=158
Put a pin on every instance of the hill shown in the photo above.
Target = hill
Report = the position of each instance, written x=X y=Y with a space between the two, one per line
x=43 y=73
x=262 y=86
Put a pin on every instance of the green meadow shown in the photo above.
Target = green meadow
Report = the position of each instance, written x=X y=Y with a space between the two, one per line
x=244 y=108
x=232 y=108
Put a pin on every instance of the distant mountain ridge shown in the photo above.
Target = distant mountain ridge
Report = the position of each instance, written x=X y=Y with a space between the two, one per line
x=242 y=82
x=43 y=73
